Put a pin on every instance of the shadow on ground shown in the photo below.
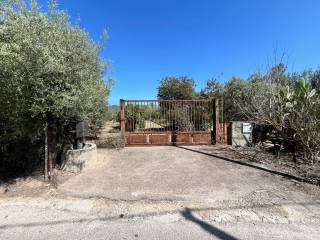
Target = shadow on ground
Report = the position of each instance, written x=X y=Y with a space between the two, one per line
x=187 y=214
x=286 y=175
x=20 y=159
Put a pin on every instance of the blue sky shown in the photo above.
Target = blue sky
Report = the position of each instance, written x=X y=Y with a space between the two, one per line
x=202 y=39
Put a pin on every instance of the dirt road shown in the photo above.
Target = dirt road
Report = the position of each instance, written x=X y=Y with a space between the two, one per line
x=167 y=193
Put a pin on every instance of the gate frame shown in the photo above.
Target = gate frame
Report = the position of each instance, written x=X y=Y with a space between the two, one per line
x=219 y=134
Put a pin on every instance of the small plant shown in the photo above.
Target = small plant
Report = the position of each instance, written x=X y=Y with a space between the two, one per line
x=113 y=141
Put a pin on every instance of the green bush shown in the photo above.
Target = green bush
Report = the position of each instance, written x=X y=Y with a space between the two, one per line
x=51 y=74
x=111 y=141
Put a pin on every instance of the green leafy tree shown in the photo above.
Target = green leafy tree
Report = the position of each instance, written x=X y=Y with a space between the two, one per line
x=226 y=92
x=213 y=89
x=51 y=73
x=175 y=88
x=315 y=80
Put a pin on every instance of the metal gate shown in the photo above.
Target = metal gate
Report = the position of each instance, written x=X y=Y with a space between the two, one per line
x=167 y=122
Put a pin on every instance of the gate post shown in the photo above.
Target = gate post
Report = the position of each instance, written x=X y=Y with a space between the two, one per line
x=217 y=119
x=122 y=117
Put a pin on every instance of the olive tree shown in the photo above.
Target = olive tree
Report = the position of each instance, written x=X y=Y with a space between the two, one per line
x=51 y=72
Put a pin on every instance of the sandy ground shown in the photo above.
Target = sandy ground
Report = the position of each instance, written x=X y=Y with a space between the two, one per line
x=166 y=193
x=181 y=173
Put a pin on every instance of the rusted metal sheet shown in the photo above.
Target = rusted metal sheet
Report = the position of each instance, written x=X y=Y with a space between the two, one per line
x=164 y=138
x=202 y=138
x=168 y=138
x=136 y=139
x=183 y=137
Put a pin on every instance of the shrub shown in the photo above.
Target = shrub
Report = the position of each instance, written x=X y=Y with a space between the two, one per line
x=111 y=141
x=51 y=74
x=289 y=104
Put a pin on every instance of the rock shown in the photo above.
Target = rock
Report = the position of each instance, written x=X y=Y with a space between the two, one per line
x=3 y=190
x=267 y=144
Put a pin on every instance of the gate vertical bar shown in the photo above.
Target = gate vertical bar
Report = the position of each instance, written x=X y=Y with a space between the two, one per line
x=122 y=117
x=217 y=119
x=222 y=119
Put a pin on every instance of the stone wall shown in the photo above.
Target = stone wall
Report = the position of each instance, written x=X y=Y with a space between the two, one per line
x=76 y=160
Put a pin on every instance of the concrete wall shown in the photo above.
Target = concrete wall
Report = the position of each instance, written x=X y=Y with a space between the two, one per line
x=240 y=138
x=76 y=160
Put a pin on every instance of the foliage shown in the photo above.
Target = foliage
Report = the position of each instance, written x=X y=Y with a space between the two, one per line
x=213 y=89
x=180 y=88
x=302 y=117
x=175 y=88
x=51 y=73
x=315 y=80
x=235 y=87
x=113 y=141
x=288 y=103
x=200 y=118
x=112 y=113
x=183 y=88
x=136 y=115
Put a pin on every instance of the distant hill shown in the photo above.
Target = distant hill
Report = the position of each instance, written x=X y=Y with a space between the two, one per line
x=114 y=107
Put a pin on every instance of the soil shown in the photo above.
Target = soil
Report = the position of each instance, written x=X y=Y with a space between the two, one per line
x=283 y=163
x=33 y=186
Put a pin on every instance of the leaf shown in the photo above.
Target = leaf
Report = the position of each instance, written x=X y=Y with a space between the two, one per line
x=312 y=93
x=289 y=105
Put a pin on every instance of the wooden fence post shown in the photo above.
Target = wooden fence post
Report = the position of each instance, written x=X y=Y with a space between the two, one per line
x=122 y=118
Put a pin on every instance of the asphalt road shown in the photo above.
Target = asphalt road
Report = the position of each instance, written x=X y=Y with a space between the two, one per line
x=75 y=219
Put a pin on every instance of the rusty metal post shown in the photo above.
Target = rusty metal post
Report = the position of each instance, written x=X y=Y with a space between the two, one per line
x=122 y=118
x=222 y=119
x=217 y=119
x=50 y=151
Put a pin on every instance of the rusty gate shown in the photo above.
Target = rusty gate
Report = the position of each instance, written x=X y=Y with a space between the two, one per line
x=168 y=122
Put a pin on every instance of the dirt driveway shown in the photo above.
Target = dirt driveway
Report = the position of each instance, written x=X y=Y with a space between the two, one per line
x=192 y=174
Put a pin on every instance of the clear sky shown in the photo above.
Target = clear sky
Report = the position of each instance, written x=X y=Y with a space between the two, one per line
x=150 y=39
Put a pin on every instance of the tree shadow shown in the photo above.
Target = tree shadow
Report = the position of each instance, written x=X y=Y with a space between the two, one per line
x=239 y=162
x=187 y=214
x=20 y=158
